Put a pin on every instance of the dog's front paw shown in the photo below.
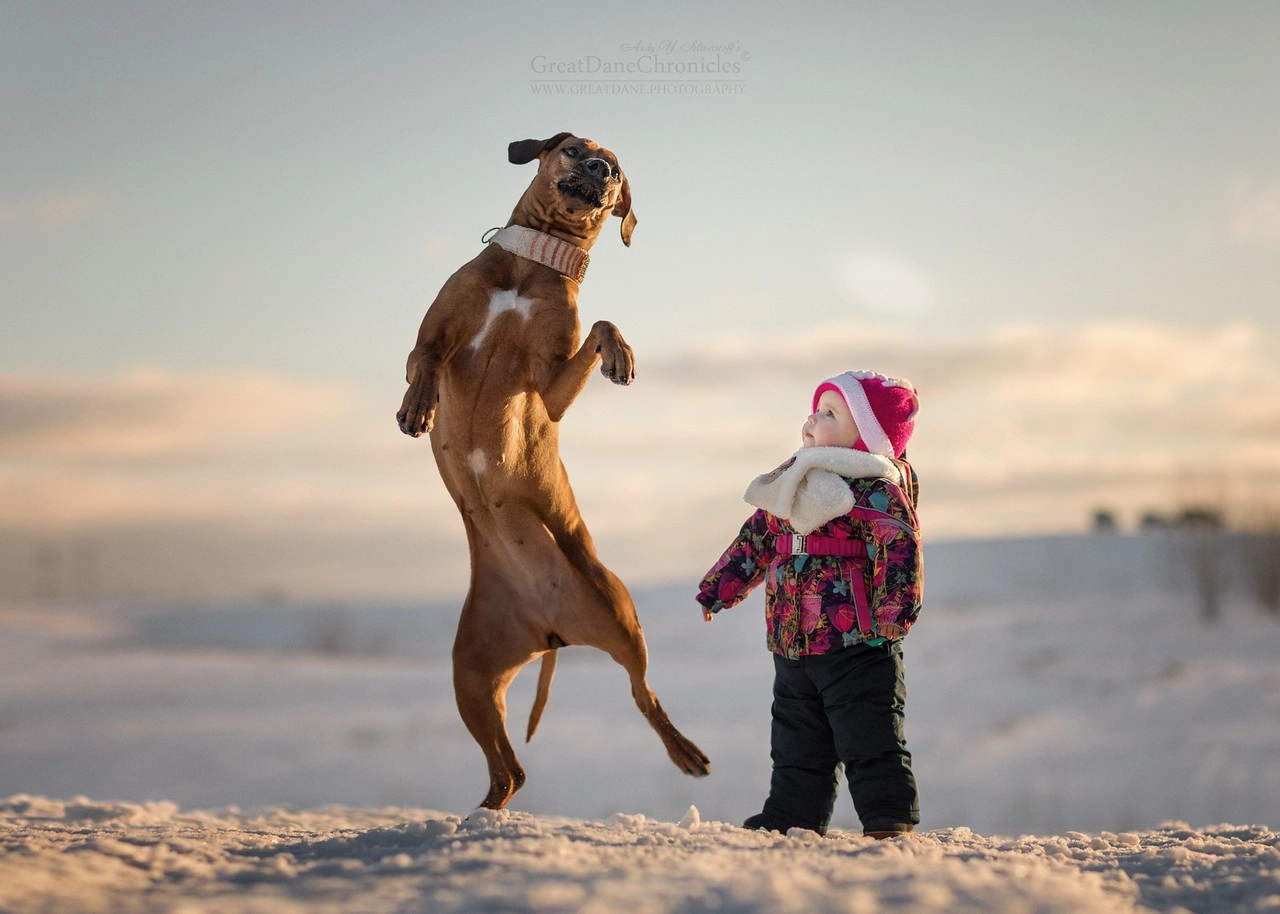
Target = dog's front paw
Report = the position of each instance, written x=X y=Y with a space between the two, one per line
x=418 y=410
x=617 y=362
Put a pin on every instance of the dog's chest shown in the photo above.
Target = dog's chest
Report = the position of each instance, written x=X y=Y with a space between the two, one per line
x=504 y=304
x=516 y=331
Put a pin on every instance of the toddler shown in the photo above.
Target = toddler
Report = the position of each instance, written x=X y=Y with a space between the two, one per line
x=837 y=545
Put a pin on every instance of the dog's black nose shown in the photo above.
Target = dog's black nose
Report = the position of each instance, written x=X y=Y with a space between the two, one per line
x=598 y=168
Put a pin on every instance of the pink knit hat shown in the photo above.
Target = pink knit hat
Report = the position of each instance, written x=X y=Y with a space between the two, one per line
x=884 y=409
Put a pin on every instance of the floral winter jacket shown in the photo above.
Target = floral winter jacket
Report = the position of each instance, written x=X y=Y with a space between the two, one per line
x=812 y=601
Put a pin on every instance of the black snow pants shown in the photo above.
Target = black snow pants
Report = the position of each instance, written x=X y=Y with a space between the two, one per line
x=842 y=710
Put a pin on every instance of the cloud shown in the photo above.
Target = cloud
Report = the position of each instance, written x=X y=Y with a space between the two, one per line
x=150 y=414
x=154 y=445
x=888 y=283
x=188 y=485
x=1255 y=213
x=50 y=211
x=231 y=482
x=1025 y=429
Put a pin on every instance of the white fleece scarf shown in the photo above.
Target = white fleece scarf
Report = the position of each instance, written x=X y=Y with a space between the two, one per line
x=807 y=490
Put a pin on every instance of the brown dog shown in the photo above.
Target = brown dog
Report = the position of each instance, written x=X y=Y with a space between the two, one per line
x=496 y=365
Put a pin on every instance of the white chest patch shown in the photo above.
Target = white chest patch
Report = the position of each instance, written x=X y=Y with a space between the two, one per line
x=477 y=461
x=500 y=303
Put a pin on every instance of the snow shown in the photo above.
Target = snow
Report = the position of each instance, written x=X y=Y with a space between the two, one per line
x=84 y=856
x=1079 y=736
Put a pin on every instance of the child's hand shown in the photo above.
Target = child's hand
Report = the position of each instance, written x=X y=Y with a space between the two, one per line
x=707 y=614
x=891 y=631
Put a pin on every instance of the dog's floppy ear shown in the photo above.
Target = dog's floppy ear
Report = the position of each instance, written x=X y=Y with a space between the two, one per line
x=623 y=209
x=521 y=152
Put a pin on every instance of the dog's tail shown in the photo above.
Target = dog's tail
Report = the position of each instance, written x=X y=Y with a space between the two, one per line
x=544 y=689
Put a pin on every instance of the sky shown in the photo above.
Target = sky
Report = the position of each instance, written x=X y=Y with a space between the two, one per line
x=221 y=224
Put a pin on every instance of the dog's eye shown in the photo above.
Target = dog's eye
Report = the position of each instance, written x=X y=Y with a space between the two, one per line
x=615 y=173
x=572 y=152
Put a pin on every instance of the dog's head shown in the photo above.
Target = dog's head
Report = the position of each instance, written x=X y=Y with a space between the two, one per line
x=579 y=185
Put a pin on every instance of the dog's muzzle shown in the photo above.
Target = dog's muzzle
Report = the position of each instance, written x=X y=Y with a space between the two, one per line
x=588 y=182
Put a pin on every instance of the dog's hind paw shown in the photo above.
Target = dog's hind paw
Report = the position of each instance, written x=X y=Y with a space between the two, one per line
x=689 y=758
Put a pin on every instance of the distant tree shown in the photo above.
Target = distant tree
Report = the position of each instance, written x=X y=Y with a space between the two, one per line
x=1104 y=521
x=1202 y=541
x=1153 y=520
x=1261 y=556
x=1199 y=518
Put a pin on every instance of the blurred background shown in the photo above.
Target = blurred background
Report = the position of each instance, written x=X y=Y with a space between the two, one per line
x=220 y=225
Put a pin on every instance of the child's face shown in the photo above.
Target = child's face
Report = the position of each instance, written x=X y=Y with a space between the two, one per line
x=831 y=425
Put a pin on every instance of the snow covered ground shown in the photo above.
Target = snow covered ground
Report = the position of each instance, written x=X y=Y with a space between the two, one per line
x=83 y=856
x=1059 y=687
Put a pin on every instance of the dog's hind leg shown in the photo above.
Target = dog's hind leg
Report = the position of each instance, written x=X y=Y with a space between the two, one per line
x=487 y=654
x=682 y=750
x=482 y=701
x=615 y=630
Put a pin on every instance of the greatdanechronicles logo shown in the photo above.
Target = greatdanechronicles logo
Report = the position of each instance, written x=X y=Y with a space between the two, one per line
x=645 y=68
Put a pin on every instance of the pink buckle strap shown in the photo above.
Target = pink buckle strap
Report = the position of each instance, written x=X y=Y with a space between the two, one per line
x=798 y=544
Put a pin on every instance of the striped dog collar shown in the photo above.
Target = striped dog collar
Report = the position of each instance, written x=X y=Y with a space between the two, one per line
x=542 y=248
